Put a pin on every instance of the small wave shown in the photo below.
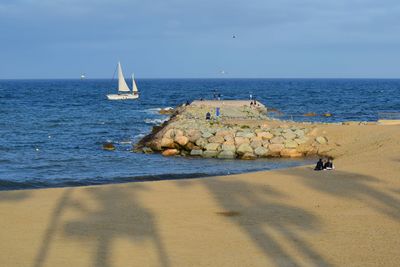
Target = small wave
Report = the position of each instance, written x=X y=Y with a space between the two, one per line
x=155 y=121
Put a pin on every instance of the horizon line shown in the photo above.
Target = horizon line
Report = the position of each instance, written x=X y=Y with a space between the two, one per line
x=215 y=78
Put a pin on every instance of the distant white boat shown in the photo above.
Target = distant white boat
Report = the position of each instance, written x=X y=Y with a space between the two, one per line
x=83 y=76
x=124 y=92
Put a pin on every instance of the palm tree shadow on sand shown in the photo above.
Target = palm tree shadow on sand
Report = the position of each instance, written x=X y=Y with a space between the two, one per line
x=118 y=216
x=256 y=212
x=352 y=186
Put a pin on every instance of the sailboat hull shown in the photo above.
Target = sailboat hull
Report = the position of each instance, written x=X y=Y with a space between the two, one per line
x=122 y=96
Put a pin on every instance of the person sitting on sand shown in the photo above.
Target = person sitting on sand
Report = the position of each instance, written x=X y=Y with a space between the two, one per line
x=208 y=116
x=329 y=165
x=319 y=166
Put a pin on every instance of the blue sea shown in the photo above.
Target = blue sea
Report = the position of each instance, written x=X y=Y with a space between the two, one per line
x=52 y=131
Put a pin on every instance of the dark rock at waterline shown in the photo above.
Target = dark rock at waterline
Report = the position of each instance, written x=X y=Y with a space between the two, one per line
x=108 y=146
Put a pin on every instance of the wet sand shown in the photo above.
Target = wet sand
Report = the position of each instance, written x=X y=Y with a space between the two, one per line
x=290 y=217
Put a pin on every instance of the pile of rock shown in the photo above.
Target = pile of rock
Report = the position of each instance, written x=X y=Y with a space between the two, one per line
x=229 y=142
x=187 y=134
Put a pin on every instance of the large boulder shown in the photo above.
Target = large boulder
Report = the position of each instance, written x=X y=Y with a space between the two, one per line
x=244 y=148
x=256 y=144
x=212 y=146
x=299 y=133
x=245 y=134
x=210 y=154
x=265 y=135
x=289 y=135
x=196 y=152
x=169 y=134
x=201 y=142
x=241 y=140
x=229 y=137
x=301 y=140
x=167 y=142
x=290 y=144
x=216 y=139
x=170 y=152
x=228 y=147
x=277 y=140
x=181 y=140
x=321 y=140
x=226 y=154
x=194 y=135
x=261 y=151
x=206 y=135
x=275 y=149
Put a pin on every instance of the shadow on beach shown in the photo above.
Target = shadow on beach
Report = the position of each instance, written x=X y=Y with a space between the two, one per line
x=351 y=186
x=118 y=216
x=262 y=218
x=255 y=209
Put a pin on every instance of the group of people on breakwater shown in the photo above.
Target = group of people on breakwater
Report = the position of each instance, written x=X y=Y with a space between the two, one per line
x=326 y=164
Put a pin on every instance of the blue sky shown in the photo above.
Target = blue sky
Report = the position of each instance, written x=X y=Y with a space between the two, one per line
x=185 y=38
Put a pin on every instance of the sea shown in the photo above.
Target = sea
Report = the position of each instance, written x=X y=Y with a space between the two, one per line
x=52 y=131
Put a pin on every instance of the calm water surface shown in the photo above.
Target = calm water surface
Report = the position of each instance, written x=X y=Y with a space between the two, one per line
x=51 y=131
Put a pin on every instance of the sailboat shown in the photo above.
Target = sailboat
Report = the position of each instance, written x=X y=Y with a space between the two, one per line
x=123 y=90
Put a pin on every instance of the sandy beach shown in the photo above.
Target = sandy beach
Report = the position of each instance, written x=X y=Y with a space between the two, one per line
x=289 y=217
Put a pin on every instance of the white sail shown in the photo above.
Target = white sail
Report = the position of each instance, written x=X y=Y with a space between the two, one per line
x=122 y=86
x=134 y=87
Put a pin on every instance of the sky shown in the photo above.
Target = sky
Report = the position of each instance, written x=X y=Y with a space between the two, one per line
x=194 y=39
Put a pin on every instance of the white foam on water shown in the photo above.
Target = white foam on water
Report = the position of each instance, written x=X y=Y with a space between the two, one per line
x=155 y=121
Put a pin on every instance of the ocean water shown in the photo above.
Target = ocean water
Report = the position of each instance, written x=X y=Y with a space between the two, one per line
x=52 y=131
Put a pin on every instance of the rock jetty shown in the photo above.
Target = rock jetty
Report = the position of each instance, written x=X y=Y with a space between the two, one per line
x=241 y=131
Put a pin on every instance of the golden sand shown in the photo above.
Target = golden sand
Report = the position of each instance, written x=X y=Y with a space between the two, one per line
x=290 y=217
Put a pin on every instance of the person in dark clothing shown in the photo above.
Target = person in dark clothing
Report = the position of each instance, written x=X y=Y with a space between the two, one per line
x=187 y=103
x=208 y=116
x=319 y=166
x=329 y=165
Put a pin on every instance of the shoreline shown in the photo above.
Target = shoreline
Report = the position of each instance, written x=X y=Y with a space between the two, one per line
x=287 y=217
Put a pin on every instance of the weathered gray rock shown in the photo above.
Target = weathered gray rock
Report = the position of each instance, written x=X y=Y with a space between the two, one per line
x=241 y=140
x=201 y=142
x=225 y=154
x=212 y=146
x=256 y=144
x=210 y=154
x=216 y=139
x=194 y=135
x=301 y=140
x=228 y=147
x=299 y=133
x=196 y=152
x=147 y=150
x=277 y=140
x=290 y=144
x=261 y=151
x=265 y=135
x=321 y=140
x=289 y=135
x=244 y=148
x=206 y=135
